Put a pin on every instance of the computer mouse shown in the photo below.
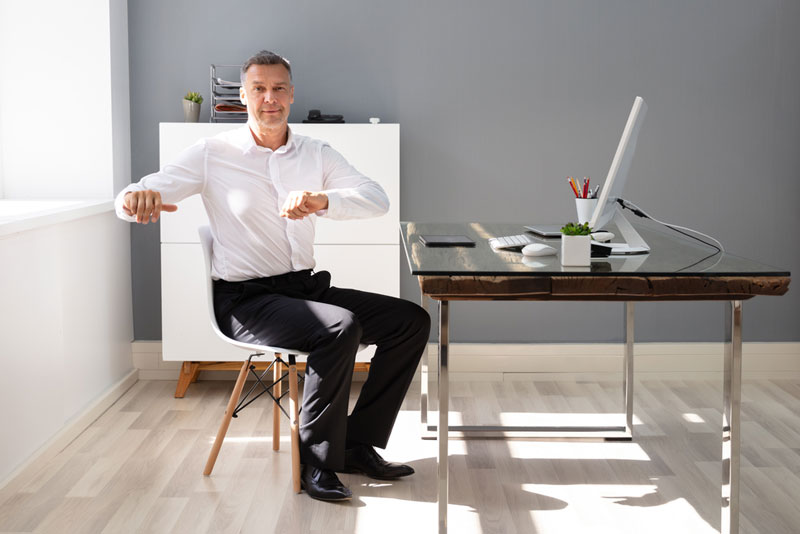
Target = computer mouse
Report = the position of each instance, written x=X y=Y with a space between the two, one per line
x=538 y=249
x=602 y=237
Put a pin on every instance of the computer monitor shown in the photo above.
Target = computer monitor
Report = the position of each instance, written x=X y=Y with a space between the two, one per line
x=608 y=210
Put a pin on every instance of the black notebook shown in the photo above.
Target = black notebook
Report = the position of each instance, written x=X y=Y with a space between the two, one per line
x=446 y=241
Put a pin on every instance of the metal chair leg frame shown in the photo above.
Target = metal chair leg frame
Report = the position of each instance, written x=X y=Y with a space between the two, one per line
x=266 y=389
x=243 y=403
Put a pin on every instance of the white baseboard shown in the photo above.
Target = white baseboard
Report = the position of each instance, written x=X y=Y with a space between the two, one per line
x=76 y=425
x=491 y=361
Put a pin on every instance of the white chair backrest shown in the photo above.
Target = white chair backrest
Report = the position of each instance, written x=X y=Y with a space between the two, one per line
x=207 y=243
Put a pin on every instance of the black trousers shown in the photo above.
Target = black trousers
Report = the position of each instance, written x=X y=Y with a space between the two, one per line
x=301 y=310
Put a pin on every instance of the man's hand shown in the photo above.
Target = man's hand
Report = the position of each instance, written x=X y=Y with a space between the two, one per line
x=145 y=205
x=301 y=204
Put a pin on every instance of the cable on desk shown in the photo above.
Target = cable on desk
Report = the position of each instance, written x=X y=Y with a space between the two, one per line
x=627 y=204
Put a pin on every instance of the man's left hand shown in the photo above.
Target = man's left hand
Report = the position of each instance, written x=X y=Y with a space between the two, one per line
x=301 y=204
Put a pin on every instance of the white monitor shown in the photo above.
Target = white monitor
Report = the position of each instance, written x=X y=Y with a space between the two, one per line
x=607 y=209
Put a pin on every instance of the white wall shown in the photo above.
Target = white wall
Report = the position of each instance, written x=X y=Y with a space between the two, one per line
x=58 y=131
x=65 y=290
x=120 y=95
x=1 y=130
x=65 y=327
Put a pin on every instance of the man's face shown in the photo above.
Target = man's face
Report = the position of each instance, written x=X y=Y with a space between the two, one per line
x=268 y=93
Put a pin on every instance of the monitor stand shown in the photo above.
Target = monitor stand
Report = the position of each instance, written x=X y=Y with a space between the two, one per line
x=633 y=242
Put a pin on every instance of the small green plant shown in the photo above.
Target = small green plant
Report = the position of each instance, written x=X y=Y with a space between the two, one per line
x=576 y=229
x=194 y=97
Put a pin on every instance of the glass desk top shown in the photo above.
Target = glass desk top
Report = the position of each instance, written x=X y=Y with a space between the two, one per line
x=670 y=255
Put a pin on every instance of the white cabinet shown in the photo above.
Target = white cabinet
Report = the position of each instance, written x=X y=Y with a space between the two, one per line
x=363 y=254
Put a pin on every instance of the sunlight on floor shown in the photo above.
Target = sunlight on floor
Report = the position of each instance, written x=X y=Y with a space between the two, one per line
x=598 y=504
x=372 y=515
x=693 y=418
x=417 y=517
x=552 y=450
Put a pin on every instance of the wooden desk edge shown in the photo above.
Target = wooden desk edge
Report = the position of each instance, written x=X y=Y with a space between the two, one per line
x=607 y=288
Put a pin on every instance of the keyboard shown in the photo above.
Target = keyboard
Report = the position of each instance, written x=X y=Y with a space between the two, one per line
x=511 y=241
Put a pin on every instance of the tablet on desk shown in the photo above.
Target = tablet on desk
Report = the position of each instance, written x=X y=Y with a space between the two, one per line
x=446 y=241
x=545 y=230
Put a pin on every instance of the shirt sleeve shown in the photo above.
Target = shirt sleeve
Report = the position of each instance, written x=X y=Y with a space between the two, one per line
x=179 y=179
x=351 y=195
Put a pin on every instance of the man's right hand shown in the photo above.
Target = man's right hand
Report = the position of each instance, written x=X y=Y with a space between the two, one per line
x=146 y=206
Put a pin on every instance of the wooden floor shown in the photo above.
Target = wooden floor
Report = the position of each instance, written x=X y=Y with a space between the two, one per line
x=138 y=468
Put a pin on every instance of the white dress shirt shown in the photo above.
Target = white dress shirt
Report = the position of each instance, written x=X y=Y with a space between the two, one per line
x=243 y=187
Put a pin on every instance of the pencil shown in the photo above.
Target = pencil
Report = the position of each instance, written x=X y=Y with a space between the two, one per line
x=577 y=187
x=572 y=186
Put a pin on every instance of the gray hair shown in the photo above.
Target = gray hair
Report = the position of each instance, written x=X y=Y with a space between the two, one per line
x=265 y=57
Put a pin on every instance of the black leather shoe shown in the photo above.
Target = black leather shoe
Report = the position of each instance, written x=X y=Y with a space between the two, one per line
x=323 y=485
x=364 y=459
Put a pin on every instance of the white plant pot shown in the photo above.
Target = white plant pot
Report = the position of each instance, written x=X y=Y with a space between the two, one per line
x=576 y=250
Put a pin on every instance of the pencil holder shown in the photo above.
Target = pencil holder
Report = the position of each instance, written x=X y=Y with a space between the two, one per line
x=585 y=208
x=576 y=250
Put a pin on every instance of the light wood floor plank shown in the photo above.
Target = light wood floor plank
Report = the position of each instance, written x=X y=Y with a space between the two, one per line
x=138 y=468
x=162 y=516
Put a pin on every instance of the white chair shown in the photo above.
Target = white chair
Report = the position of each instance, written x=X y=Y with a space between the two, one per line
x=274 y=389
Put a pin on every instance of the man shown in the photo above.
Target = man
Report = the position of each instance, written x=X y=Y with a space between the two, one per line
x=260 y=185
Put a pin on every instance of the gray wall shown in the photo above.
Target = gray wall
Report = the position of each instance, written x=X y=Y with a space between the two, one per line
x=499 y=101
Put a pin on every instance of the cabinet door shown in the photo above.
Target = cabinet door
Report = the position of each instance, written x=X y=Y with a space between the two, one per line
x=186 y=327
x=374 y=268
x=187 y=333
x=374 y=150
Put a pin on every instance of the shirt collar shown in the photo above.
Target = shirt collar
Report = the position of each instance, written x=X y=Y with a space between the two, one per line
x=248 y=144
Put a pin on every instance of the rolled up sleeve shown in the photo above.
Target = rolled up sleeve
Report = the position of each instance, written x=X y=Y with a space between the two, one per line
x=179 y=179
x=351 y=195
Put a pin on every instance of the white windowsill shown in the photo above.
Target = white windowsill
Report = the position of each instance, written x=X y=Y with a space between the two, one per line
x=22 y=215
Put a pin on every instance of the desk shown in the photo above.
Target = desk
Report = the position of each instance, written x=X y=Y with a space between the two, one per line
x=676 y=269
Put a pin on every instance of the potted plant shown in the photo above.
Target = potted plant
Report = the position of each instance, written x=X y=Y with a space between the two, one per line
x=191 y=106
x=576 y=245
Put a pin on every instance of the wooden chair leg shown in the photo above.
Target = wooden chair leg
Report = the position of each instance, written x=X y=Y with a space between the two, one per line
x=276 y=411
x=295 y=424
x=226 y=419
x=188 y=375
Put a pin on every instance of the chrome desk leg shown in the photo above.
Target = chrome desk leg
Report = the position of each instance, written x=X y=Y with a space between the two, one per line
x=732 y=401
x=627 y=371
x=617 y=432
x=423 y=379
x=444 y=401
